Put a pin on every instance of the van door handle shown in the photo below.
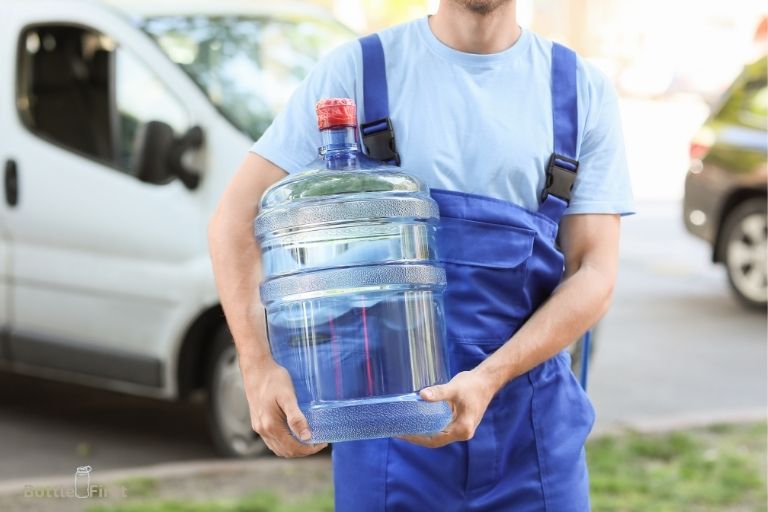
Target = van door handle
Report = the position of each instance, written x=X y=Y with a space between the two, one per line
x=11 y=183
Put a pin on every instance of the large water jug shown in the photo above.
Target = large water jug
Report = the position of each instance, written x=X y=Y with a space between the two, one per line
x=352 y=289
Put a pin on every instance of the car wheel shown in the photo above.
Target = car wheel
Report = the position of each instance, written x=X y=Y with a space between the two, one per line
x=228 y=414
x=745 y=236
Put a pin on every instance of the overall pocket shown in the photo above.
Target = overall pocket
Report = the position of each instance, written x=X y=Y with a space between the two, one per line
x=486 y=267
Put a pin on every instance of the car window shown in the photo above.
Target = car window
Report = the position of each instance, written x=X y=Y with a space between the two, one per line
x=79 y=90
x=247 y=66
x=141 y=97
x=62 y=88
x=754 y=105
x=746 y=102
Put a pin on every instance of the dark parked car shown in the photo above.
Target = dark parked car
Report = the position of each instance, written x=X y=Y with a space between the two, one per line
x=725 y=189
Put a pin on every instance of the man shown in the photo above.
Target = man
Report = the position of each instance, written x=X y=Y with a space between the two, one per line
x=475 y=102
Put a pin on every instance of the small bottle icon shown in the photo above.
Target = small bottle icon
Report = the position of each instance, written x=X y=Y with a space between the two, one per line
x=83 y=482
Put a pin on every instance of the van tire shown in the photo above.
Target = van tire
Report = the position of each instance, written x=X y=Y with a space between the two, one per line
x=228 y=414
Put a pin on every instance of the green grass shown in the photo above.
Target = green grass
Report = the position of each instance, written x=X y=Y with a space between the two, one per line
x=722 y=468
x=139 y=487
x=257 y=502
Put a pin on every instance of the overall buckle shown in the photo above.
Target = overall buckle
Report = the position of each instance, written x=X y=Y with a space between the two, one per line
x=379 y=140
x=561 y=175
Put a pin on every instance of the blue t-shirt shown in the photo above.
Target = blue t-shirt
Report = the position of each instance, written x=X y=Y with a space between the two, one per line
x=475 y=123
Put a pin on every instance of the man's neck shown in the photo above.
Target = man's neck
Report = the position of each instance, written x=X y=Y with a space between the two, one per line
x=470 y=32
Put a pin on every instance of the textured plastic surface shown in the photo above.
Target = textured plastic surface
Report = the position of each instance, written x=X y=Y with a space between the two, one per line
x=317 y=182
x=374 y=418
x=347 y=245
x=350 y=209
x=406 y=277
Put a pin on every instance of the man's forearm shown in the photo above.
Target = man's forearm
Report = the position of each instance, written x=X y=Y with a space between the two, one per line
x=576 y=305
x=236 y=258
x=236 y=262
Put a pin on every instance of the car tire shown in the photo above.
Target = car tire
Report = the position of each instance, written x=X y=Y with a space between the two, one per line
x=228 y=414
x=744 y=235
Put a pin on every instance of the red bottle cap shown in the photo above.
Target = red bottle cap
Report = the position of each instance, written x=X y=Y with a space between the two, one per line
x=333 y=112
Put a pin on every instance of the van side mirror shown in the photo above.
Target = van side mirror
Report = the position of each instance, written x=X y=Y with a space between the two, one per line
x=158 y=154
x=192 y=139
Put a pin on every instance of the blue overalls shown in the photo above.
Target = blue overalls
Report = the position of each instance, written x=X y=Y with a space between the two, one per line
x=502 y=263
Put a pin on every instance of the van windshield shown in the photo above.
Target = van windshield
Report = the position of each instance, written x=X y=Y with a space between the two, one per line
x=247 y=66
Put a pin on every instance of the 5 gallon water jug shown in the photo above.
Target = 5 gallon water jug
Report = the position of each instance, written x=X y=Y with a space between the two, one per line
x=352 y=290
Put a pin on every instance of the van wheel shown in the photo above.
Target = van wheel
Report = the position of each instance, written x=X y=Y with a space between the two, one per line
x=745 y=233
x=228 y=414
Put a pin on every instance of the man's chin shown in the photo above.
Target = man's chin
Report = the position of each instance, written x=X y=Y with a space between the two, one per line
x=482 y=7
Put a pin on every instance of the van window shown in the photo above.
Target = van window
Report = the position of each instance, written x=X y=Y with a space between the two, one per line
x=247 y=66
x=141 y=97
x=63 y=88
x=79 y=90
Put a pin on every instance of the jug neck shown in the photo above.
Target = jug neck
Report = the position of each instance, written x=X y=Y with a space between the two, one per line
x=339 y=149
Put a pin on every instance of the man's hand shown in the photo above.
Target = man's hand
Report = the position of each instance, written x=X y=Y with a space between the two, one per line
x=469 y=394
x=275 y=412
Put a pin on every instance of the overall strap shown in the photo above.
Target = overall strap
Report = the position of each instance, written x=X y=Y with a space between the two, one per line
x=562 y=167
x=378 y=136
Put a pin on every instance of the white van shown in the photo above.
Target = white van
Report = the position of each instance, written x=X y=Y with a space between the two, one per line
x=120 y=124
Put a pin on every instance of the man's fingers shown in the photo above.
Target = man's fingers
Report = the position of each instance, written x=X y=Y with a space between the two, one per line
x=430 y=441
x=437 y=393
x=273 y=447
x=306 y=449
x=284 y=445
x=295 y=418
x=460 y=429
x=277 y=418
x=289 y=447
x=276 y=433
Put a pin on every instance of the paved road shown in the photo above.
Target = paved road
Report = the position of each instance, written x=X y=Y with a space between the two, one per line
x=675 y=343
x=48 y=429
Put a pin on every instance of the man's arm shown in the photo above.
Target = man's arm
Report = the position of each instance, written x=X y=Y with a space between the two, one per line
x=590 y=244
x=236 y=261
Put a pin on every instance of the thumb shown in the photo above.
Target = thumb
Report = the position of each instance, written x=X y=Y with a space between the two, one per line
x=295 y=418
x=436 y=393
